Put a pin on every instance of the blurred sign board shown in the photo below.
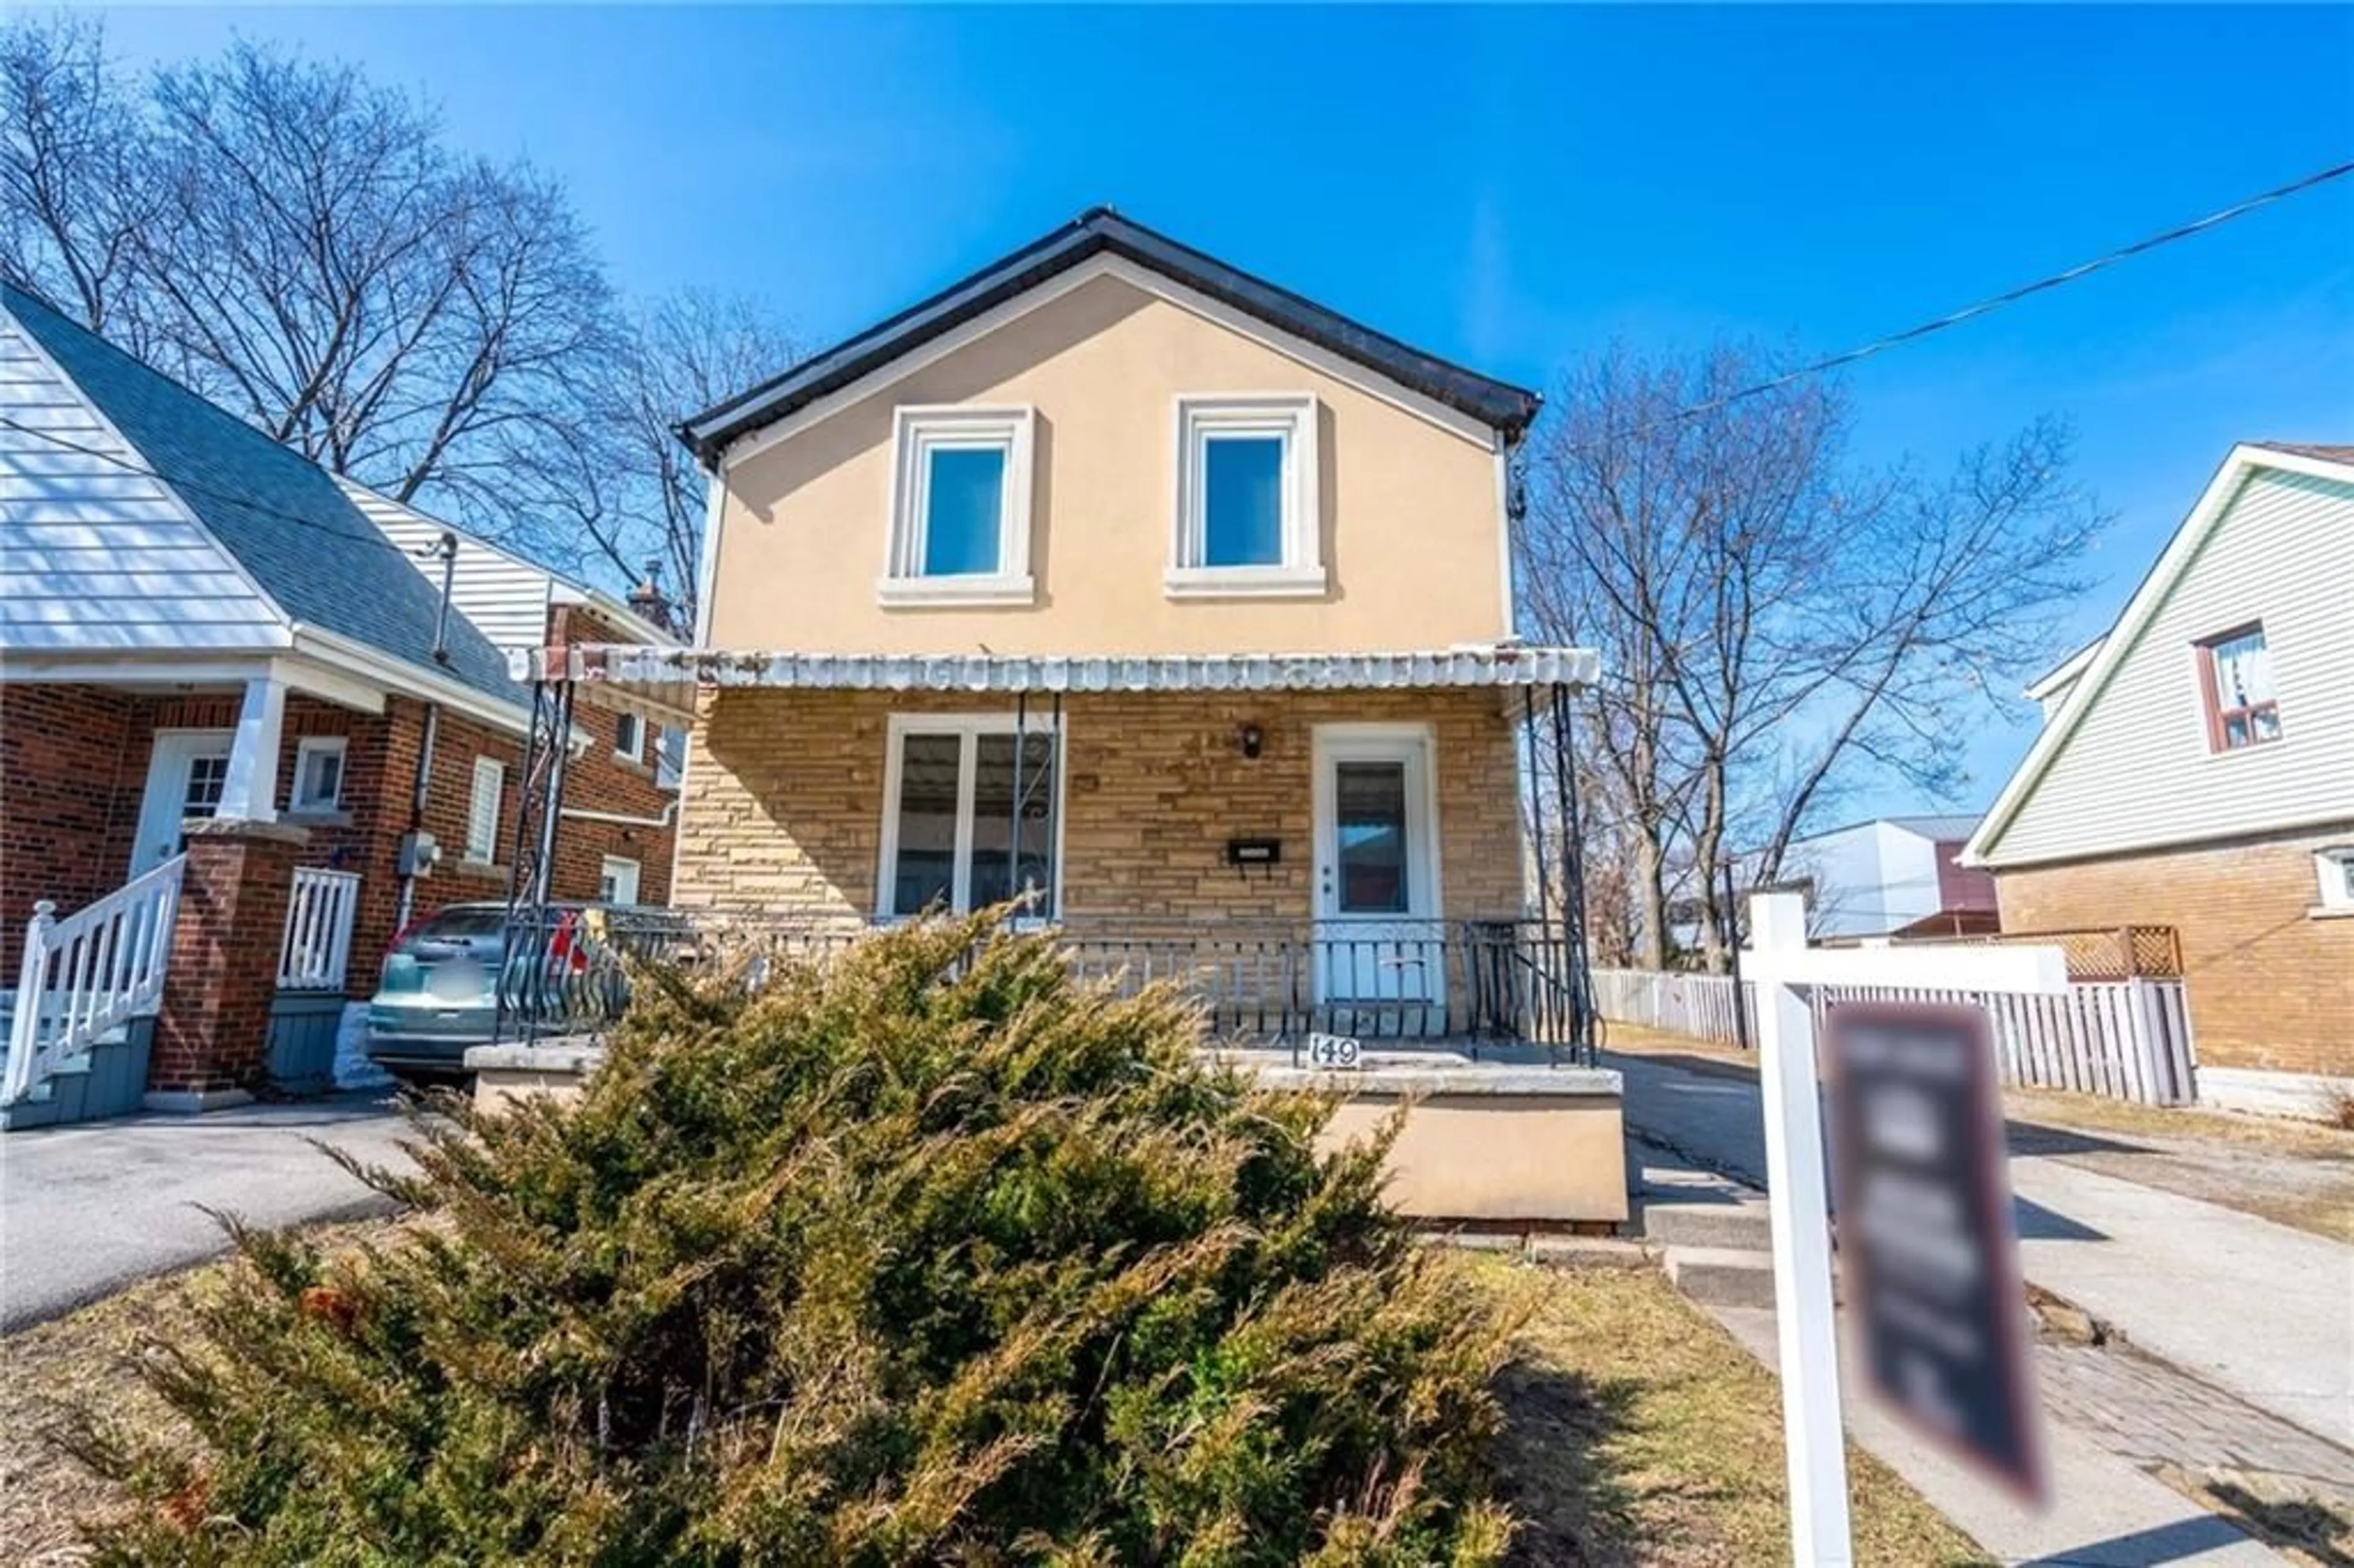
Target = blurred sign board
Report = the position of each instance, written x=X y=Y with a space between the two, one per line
x=1922 y=1195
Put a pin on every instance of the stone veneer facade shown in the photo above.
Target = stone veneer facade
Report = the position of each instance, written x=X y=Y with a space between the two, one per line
x=783 y=806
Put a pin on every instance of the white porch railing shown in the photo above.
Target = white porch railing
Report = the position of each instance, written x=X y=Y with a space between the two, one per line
x=87 y=973
x=317 y=948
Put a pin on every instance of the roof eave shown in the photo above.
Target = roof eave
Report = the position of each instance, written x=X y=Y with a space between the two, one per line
x=1500 y=406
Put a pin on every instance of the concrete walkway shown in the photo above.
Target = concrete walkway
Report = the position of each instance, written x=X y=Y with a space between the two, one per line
x=2258 y=1309
x=86 y=1210
x=2105 y=1512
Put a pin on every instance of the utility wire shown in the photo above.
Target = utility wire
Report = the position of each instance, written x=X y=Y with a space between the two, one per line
x=1879 y=346
x=2012 y=296
x=198 y=487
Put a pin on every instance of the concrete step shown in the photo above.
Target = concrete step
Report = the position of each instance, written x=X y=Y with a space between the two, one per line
x=1722 y=1277
x=1738 y=1227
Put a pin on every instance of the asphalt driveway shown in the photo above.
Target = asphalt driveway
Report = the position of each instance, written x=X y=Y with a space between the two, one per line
x=85 y=1209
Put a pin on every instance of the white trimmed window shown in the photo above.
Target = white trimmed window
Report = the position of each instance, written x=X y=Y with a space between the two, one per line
x=968 y=818
x=960 y=508
x=318 y=773
x=1247 y=512
x=2334 y=868
x=617 y=880
x=483 y=810
x=630 y=738
x=670 y=756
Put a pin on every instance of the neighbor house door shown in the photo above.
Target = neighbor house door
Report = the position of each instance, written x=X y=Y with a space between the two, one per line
x=1378 y=935
x=184 y=777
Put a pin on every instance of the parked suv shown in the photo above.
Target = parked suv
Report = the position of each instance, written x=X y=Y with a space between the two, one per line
x=438 y=992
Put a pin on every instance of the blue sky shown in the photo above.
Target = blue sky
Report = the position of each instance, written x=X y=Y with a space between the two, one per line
x=1508 y=187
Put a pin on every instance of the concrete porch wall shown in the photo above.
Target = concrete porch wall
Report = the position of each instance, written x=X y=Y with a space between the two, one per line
x=783 y=807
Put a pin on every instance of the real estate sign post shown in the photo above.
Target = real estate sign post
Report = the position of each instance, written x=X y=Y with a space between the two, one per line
x=1785 y=970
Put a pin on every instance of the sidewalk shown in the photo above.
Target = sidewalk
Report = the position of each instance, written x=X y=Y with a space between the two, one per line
x=85 y=1209
x=2259 y=1310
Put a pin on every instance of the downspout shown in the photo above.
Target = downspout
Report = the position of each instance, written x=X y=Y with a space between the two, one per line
x=447 y=548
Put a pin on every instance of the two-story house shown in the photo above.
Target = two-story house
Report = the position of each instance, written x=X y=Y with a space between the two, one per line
x=1115 y=578
x=2195 y=769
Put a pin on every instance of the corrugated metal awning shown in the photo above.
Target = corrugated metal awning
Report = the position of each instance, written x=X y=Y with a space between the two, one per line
x=635 y=674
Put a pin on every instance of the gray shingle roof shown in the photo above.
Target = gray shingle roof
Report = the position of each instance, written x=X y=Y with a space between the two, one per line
x=280 y=514
x=1497 y=404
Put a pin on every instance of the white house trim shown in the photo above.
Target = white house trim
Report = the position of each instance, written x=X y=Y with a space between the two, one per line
x=340 y=652
x=706 y=566
x=1295 y=418
x=2116 y=648
x=1366 y=379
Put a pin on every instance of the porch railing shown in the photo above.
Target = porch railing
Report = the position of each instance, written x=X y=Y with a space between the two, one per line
x=315 y=952
x=88 y=973
x=1470 y=985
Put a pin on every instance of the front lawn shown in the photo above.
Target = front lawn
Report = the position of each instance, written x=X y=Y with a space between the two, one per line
x=1638 y=1431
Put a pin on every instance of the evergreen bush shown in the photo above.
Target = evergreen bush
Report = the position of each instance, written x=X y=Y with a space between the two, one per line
x=926 y=1254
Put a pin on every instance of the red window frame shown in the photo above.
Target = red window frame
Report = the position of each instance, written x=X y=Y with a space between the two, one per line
x=2219 y=717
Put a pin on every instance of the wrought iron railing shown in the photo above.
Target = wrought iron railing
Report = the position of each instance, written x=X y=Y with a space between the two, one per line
x=1469 y=985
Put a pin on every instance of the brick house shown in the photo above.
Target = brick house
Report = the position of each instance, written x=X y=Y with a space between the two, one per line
x=1116 y=577
x=198 y=623
x=2195 y=769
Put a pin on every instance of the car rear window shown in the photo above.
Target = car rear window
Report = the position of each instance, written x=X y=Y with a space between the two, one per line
x=484 y=921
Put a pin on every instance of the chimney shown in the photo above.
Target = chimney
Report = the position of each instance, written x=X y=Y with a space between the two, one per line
x=648 y=600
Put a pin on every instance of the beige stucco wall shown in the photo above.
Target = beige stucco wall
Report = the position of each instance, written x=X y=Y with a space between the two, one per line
x=1411 y=526
x=1503 y=1160
x=1552 y=1159
x=783 y=805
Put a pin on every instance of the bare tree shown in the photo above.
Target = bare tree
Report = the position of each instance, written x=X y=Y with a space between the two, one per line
x=1777 y=622
x=76 y=185
x=302 y=247
x=328 y=269
x=631 y=490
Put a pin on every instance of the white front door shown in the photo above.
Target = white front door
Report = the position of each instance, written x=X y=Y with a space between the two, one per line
x=1379 y=940
x=185 y=778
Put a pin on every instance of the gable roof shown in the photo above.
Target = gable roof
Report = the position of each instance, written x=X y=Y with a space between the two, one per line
x=283 y=517
x=1101 y=231
x=2108 y=654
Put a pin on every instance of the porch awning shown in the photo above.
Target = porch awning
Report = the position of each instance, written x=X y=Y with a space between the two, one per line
x=637 y=675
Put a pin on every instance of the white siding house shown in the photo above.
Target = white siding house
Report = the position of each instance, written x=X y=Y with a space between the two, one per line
x=2126 y=764
x=505 y=596
x=2196 y=771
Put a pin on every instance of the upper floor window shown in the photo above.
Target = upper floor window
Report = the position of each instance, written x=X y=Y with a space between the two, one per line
x=630 y=738
x=1247 y=513
x=2236 y=673
x=959 y=507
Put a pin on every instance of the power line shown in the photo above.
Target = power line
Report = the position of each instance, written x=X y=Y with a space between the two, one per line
x=1879 y=346
x=198 y=487
x=2012 y=296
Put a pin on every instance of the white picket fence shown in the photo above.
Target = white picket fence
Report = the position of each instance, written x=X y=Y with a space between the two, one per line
x=316 y=950
x=2125 y=1039
x=85 y=974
